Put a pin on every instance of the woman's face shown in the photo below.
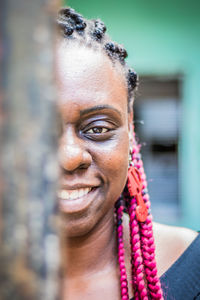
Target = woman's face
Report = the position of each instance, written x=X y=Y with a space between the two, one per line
x=94 y=145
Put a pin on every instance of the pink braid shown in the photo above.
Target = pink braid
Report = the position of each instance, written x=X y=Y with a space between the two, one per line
x=146 y=235
x=123 y=276
x=140 y=291
x=142 y=243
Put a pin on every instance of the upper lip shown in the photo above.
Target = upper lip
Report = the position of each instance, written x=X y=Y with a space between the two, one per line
x=77 y=186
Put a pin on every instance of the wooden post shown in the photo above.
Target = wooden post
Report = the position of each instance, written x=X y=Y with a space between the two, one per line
x=29 y=244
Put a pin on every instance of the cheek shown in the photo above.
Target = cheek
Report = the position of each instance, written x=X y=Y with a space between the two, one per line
x=113 y=162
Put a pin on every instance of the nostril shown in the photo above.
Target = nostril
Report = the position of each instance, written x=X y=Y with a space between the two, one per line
x=83 y=166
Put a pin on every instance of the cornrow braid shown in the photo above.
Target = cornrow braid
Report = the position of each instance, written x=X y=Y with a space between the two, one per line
x=116 y=50
x=69 y=21
x=99 y=30
x=75 y=27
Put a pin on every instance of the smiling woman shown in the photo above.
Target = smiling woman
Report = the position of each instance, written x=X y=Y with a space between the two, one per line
x=95 y=141
x=102 y=174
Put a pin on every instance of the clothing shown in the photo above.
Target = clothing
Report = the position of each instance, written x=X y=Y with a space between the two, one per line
x=182 y=280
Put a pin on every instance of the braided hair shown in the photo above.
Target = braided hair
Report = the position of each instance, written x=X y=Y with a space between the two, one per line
x=92 y=33
x=145 y=282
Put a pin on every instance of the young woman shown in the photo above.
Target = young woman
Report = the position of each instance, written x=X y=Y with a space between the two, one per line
x=103 y=198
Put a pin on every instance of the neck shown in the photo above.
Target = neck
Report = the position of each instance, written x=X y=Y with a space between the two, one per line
x=94 y=252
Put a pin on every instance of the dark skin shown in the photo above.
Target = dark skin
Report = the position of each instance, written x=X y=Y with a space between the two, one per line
x=93 y=155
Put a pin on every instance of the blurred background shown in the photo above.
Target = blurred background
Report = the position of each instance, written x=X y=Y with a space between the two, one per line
x=163 y=42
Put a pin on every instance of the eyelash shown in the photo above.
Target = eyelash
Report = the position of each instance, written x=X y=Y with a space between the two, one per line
x=101 y=128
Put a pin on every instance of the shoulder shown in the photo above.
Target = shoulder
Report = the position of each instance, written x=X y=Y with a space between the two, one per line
x=170 y=243
x=180 y=237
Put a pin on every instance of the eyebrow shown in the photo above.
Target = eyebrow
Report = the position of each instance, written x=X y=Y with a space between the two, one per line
x=97 y=108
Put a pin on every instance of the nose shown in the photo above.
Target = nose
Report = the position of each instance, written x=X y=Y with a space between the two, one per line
x=73 y=155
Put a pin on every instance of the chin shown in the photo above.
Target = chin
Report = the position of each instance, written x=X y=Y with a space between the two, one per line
x=77 y=226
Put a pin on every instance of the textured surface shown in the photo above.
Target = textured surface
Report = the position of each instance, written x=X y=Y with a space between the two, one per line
x=29 y=245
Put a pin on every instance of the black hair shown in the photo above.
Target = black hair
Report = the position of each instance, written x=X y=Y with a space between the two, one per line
x=92 y=33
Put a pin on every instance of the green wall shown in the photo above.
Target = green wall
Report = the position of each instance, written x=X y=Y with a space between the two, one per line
x=163 y=38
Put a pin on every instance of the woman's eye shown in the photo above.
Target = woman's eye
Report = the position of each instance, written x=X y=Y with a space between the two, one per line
x=98 y=130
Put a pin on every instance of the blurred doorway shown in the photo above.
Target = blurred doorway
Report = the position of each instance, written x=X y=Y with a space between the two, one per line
x=157 y=113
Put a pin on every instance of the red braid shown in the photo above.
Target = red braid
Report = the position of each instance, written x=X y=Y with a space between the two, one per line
x=140 y=291
x=147 y=238
x=123 y=276
x=146 y=284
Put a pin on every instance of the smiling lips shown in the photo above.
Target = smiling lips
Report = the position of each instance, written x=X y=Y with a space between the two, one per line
x=73 y=194
x=77 y=199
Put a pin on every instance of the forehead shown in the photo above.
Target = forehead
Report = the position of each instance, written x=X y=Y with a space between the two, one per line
x=87 y=75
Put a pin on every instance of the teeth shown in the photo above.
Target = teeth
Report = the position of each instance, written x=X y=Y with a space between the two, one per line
x=73 y=194
x=63 y=194
x=80 y=193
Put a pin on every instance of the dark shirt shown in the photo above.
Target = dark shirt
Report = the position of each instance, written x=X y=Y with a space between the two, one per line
x=182 y=280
